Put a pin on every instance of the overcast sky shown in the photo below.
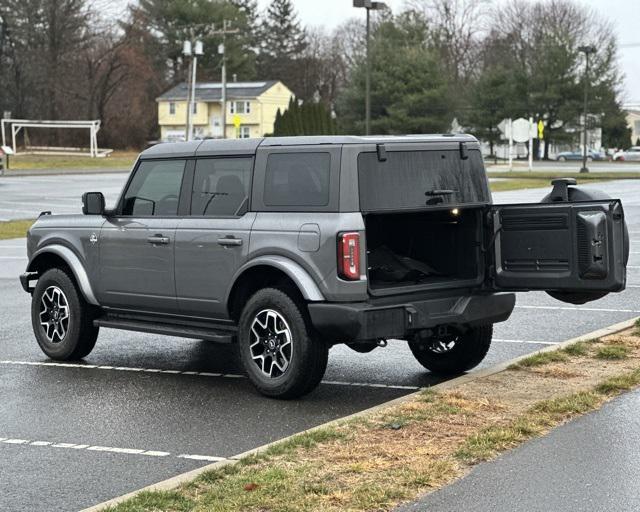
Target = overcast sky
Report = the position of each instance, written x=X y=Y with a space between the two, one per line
x=625 y=15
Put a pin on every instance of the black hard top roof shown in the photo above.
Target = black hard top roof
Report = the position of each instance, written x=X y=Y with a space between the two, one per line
x=248 y=146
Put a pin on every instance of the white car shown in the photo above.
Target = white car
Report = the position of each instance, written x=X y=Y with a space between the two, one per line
x=630 y=155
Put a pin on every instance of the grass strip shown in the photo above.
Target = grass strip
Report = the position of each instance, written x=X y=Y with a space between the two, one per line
x=540 y=359
x=396 y=454
x=14 y=228
x=117 y=160
x=516 y=180
x=613 y=351
x=559 y=173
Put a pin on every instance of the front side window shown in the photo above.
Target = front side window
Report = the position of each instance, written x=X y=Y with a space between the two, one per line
x=297 y=179
x=221 y=186
x=154 y=189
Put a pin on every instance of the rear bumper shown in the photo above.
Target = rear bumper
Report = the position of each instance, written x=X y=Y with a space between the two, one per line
x=361 y=321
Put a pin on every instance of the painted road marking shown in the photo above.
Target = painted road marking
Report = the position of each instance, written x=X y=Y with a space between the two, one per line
x=192 y=373
x=604 y=310
x=13 y=257
x=109 y=449
x=526 y=341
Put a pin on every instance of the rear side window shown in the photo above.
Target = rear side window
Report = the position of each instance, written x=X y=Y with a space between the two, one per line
x=154 y=189
x=221 y=187
x=297 y=179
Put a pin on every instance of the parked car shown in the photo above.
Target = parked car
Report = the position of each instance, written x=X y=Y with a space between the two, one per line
x=578 y=154
x=287 y=246
x=630 y=155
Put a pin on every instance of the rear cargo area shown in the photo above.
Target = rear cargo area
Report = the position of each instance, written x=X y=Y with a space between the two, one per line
x=423 y=249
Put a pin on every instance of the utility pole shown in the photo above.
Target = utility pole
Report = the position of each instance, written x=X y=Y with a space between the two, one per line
x=191 y=82
x=587 y=50
x=222 y=51
x=369 y=5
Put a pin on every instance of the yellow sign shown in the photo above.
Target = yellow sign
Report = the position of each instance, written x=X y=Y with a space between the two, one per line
x=540 y=129
x=237 y=121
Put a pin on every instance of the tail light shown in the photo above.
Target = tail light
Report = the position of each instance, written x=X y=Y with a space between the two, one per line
x=349 y=256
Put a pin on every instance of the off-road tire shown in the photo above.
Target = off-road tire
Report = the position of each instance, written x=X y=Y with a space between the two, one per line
x=309 y=355
x=80 y=334
x=469 y=350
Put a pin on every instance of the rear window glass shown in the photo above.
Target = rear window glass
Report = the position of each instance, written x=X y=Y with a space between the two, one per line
x=410 y=179
x=297 y=179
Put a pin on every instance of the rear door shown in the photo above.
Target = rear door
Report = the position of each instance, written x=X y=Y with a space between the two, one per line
x=572 y=247
x=212 y=239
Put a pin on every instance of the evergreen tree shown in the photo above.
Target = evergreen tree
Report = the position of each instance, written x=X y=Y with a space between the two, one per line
x=408 y=89
x=306 y=119
x=173 y=21
x=282 y=42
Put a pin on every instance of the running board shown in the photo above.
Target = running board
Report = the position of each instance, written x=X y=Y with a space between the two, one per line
x=181 y=331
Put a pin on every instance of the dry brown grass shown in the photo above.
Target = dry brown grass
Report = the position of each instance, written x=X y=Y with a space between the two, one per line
x=398 y=453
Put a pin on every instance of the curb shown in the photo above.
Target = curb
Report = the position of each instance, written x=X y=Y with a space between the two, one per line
x=177 y=480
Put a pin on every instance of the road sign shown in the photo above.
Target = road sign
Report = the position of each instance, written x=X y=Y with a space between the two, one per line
x=540 y=129
x=505 y=128
x=237 y=121
x=520 y=129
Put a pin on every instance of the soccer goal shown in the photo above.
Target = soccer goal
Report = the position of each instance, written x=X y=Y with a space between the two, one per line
x=15 y=126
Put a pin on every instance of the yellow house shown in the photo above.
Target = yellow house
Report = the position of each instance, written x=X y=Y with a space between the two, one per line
x=254 y=103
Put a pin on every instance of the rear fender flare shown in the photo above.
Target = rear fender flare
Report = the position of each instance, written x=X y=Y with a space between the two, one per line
x=75 y=265
x=305 y=283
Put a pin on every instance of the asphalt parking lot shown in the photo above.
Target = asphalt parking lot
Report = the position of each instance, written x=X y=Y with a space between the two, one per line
x=143 y=408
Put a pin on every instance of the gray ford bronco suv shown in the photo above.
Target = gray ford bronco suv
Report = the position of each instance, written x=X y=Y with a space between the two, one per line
x=287 y=246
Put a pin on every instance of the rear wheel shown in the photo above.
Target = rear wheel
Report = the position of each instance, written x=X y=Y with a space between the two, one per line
x=279 y=349
x=62 y=320
x=453 y=353
x=562 y=159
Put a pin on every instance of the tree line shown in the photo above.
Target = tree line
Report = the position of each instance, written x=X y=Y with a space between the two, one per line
x=434 y=62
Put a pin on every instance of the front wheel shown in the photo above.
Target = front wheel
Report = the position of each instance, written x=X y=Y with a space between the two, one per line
x=279 y=350
x=62 y=320
x=453 y=353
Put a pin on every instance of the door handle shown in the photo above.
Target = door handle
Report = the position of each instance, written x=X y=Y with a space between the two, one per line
x=230 y=241
x=158 y=240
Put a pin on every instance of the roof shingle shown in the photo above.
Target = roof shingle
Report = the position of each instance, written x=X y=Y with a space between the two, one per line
x=212 y=91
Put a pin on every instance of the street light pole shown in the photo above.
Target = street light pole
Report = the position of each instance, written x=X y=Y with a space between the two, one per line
x=369 y=5
x=367 y=101
x=587 y=50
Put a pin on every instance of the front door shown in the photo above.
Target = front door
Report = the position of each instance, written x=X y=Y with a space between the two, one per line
x=137 y=243
x=212 y=240
x=566 y=247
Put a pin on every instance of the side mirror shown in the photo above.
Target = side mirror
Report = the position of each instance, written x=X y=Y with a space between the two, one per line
x=93 y=203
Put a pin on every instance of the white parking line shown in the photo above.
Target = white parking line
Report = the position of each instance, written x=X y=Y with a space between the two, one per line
x=605 y=310
x=192 y=373
x=13 y=257
x=109 y=449
x=525 y=341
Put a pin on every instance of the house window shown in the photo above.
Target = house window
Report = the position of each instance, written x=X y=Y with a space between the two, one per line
x=245 y=132
x=172 y=108
x=240 y=107
x=195 y=107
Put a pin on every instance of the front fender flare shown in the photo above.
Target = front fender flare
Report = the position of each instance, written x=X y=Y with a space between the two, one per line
x=75 y=265
x=293 y=270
